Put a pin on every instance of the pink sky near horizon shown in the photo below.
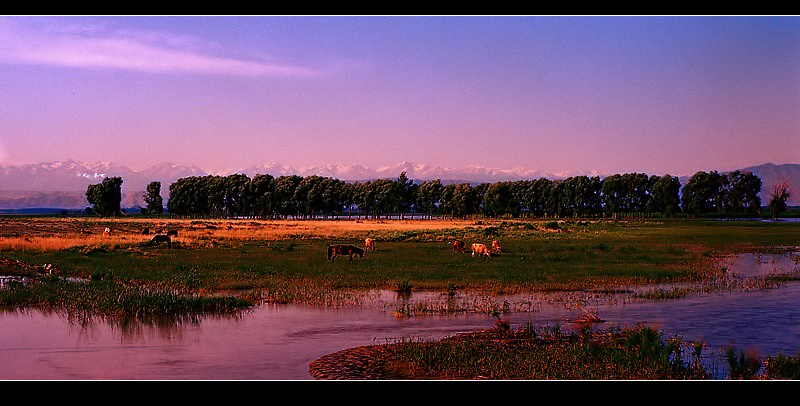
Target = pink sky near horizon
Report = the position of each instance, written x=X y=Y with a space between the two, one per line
x=556 y=94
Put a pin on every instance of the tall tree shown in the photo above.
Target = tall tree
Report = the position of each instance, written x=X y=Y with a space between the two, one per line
x=429 y=195
x=702 y=193
x=497 y=199
x=779 y=195
x=284 y=192
x=666 y=195
x=406 y=190
x=639 y=191
x=537 y=196
x=585 y=195
x=235 y=194
x=261 y=195
x=153 y=200
x=106 y=196
x=459 y=200
x=740 y=193
x=614 y=195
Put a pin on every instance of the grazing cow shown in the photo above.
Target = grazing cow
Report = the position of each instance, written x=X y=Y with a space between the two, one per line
x=107 y=231
x=496 y=248
x=369 y=244
x=173 y=233
x=341 y=249
x=480 y=249
x=161 y=238
x=459 y=246
x=146 y=231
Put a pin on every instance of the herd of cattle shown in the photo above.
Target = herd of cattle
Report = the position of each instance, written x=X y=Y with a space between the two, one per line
x=478 y=249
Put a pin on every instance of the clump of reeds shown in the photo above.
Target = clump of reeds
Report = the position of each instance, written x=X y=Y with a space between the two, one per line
x=782 y=367
x=103 y=296
x=742 y=365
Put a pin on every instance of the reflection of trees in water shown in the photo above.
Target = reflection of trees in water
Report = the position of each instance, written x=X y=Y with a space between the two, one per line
x=131 y=327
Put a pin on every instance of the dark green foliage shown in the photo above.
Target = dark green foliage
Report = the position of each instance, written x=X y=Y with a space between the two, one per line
x=261 y=194
x=498 y=200
x=666 y=195
x=153 y=200
x=105 y=197
x=459 y=200
x=740 y=194
x=630 y=194
x=732 y=194
x=406 y=192
x=428 y=196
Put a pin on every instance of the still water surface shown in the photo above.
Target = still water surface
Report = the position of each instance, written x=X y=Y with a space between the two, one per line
x=277 y=342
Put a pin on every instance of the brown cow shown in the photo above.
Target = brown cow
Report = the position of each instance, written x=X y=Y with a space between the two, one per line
x=496 y=248
x=481 y=250
x=369 y=244
x=459 y=246
x=341 y=249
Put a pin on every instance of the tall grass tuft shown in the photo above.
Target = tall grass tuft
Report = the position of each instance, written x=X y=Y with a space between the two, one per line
x=782 y=367
x=403 y=286
x=742 y=365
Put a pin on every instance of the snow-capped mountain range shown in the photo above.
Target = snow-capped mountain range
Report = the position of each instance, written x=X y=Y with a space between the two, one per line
x=356 y=172
x=63 y=184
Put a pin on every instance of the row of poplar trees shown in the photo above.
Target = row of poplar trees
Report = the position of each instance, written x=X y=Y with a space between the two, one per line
x=631 y=194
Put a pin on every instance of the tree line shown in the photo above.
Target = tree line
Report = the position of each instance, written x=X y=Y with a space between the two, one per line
x=264 y=196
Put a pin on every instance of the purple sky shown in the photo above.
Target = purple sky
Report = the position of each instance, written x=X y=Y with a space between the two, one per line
x=587 y=94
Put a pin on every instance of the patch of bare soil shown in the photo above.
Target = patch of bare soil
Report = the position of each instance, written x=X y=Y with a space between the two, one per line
x=366 y=362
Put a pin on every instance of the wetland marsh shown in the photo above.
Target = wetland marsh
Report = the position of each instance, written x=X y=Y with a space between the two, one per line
x=297 y=306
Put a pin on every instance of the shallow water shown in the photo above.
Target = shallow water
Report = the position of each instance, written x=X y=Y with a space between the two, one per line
x=277 y=342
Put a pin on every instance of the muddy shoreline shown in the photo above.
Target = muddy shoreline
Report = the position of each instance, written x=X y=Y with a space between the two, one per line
x=365 y=362
x=377 y=362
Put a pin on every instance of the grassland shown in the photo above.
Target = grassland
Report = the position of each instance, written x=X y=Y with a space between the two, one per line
x=285 y=261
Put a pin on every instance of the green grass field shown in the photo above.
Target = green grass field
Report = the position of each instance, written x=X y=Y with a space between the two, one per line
x=579 y=255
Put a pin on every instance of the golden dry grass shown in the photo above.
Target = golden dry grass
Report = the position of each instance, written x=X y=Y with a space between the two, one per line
x=49 y=234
